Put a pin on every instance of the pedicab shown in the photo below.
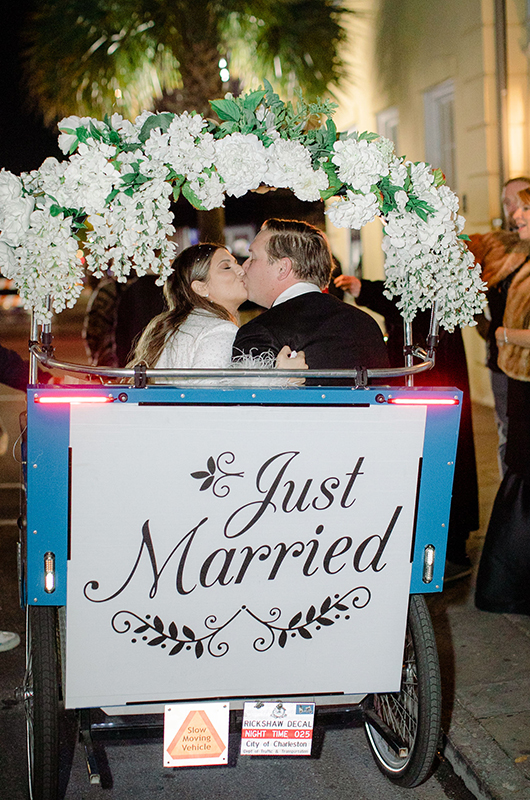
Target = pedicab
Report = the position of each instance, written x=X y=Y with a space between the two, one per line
x=235 y=542
x=220 y=538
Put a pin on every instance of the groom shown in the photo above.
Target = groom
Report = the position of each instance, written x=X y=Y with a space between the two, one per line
x=290 y=263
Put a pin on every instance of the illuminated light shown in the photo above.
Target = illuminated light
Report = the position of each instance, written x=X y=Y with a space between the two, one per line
x=428 y=563
x=423 y=401
x=117 y=92
x=65 y=398
x=223 y=63
x=224 y=75
x=49 y=572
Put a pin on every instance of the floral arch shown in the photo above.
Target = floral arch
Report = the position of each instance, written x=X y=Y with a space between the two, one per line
x=108 y=203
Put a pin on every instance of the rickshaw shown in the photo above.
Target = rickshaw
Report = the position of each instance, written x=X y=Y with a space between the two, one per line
x=236 y=542
x=223 y=538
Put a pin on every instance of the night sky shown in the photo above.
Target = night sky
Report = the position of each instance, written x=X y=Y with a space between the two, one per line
x=24 y=141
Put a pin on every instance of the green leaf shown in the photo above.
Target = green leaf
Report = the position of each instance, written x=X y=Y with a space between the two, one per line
x=332 y=133
x=191 y=197
x=226 y=109
x=439 y=177
x=162 y=121
x=55 y=210
x=95 y=132
x=464 y=237
x=110 y=197
x=367 y=136
x=82 y=134
x=252 y=100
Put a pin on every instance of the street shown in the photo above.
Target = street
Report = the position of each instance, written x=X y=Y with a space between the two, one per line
x=341 y=765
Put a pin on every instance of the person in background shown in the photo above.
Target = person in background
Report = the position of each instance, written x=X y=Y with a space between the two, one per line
x=450 y=370
x=500 y=253
x=503 y=579
x=116 y=315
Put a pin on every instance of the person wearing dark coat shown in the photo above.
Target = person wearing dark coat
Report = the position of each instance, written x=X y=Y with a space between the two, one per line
x=289 y=265
x=14 y=370
x=450 y=370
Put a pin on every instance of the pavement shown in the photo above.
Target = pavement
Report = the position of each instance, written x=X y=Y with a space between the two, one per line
x=485 y=664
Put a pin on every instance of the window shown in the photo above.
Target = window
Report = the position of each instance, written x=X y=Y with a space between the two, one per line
x=387 y=125
x=439 y=130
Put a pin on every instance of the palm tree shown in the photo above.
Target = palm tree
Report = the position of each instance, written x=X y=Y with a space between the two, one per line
x=91 y=57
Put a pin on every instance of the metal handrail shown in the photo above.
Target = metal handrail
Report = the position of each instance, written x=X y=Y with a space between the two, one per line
x=127 y=372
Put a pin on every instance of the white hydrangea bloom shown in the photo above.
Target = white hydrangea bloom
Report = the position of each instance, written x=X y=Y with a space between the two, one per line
x=241 y=162
x=354 y=211
x=361 y=164
x=289 y=166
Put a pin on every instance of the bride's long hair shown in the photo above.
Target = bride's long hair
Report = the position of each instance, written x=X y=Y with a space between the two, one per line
x=193 y=264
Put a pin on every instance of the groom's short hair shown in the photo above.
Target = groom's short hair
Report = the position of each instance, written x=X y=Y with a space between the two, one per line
x=305 y=245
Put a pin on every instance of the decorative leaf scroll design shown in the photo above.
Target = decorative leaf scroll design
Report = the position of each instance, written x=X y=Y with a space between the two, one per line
x=313 y=620
x=122 y=622
x=213 y=466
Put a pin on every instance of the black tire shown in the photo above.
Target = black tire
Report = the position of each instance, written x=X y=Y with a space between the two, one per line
x=413 y=713
x=42 y=690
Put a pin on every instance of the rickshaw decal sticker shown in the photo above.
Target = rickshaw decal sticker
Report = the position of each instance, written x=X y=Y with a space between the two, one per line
x=208 y=476
x=121 y=623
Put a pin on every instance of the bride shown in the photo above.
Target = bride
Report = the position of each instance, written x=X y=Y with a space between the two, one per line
x=203 y=295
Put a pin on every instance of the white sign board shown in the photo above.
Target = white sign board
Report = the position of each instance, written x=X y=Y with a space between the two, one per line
x=277 y=729
x=238 y=551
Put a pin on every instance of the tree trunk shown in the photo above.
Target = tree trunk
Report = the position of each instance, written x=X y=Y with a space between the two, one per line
x=201 y=83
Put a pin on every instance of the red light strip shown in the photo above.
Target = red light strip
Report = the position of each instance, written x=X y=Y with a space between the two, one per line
x=96 y=398
x=418 y=401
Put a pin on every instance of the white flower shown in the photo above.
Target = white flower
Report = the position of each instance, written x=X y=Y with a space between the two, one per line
x=184 y=147
x=386 y=148
x=68 y=127
x=10 y=187
x=289 y=166
x=124 y=127
x=361 y=164
x=422 y=178
x=241 y=162
x=398 y=172
x=401 y=199
x=354 y=212
x=8 y=262
x=15 y=210
x=209 y=190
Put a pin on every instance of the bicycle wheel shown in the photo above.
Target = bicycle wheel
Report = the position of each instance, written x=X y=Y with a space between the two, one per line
x=41 y=699
x=411 y=718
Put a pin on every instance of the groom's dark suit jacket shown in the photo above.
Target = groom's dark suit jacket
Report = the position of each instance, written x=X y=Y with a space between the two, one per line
x=333 y=334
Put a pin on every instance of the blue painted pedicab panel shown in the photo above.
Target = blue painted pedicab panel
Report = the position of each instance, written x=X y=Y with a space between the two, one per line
x=48 y=463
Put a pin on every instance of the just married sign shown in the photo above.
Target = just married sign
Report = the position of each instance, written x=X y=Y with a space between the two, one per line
x=238 y=551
